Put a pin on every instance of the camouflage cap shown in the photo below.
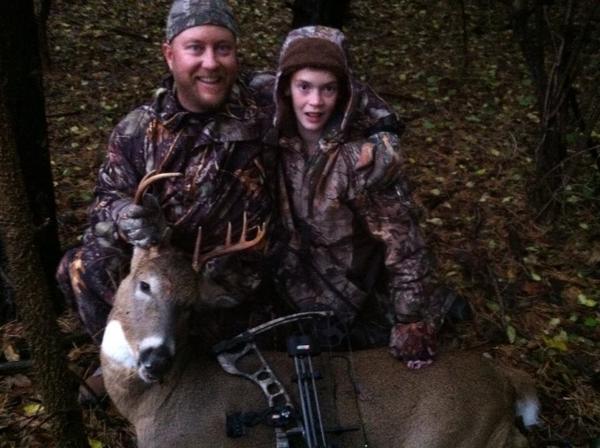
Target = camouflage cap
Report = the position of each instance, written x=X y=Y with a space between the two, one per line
x=186 y=14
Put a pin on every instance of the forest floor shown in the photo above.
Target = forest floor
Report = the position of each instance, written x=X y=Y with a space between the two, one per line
x=469 y=144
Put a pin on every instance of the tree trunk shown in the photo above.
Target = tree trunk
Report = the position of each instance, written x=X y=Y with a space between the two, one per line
x=25 y=114
x=57 y=387
x=30 y=239
x=539 y=37
x=319 y=12
x=7 y=303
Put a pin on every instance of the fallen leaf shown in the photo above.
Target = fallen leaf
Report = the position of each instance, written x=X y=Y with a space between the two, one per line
x=32 y=409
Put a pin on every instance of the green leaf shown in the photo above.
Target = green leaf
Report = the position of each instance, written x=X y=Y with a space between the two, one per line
x=428 y=124
x=583 y=300
x=558 y=342
x=511 y=333
x=95 y=443
x=32 y=409
x=492 y=306
x=526 y=101
x=591 y=322
x=571 y=138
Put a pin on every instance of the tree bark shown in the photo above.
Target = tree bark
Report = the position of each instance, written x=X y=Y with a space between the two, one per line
x=25 y=114
x=319 y=12
x=538 y=37
x=29 y=239
x=57 y=387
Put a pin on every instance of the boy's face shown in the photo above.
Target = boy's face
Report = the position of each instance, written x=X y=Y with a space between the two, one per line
x=204 y=64
x=314 y=96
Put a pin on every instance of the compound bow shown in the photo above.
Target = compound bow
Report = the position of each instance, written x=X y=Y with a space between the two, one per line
x=289 y=424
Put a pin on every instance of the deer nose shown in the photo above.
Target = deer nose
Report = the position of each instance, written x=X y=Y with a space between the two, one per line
x=155 y=362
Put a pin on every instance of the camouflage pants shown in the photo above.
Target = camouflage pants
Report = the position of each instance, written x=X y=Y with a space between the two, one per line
x=88 y=276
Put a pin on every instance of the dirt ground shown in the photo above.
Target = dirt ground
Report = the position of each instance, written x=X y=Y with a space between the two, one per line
x=468 y=149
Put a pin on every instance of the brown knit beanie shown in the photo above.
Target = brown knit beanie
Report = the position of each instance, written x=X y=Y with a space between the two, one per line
x=316 y=53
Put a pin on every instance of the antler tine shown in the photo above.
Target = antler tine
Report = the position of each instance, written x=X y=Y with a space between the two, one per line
x=195 y=261
x=228 y=235
x=228 y=248
x=244 y=226
x=148 y=180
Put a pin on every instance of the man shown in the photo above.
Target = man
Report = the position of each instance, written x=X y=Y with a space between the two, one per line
x=201 y=123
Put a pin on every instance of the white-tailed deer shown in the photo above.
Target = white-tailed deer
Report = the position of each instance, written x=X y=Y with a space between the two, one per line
x=176 y=397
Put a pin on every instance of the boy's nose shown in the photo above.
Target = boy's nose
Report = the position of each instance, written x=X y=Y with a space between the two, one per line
x=315 y=97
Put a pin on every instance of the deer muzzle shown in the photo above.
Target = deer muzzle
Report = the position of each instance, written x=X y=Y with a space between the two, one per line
x=154 y=363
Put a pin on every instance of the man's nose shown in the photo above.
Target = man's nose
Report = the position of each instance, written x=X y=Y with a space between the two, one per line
x=209 y=61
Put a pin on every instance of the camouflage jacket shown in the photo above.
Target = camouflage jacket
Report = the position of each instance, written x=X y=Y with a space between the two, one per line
x=339 y=239
x=219 y=155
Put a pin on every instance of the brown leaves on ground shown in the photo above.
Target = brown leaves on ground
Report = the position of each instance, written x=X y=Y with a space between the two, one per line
x=469 y=148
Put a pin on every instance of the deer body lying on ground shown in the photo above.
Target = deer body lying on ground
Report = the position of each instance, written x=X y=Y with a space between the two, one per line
x=462 y=400
x=176 y=397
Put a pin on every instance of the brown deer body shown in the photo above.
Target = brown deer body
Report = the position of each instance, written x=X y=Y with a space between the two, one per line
x=462 y=400
x=178 y=398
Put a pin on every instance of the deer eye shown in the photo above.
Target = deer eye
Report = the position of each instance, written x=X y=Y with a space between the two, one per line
x=144 y=287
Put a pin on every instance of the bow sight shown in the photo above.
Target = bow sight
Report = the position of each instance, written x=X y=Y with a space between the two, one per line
x=295 y=426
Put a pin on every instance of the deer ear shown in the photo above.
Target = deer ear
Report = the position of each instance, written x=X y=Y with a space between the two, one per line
x=165 y=238
x=213 y=295
x=216 y=302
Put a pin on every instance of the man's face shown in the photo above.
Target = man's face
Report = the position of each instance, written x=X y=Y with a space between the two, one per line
x=204 y=64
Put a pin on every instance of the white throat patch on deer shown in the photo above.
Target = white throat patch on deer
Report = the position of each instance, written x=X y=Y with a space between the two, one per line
x=116 y=347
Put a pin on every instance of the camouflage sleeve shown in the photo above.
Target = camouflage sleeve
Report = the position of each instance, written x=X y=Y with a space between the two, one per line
x=380 y=125
x=379 y=163
x=261 y=85
x=388 y=216
x=118 y=176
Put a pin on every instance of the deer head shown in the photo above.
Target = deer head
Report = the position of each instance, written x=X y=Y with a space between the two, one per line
x=153 y=303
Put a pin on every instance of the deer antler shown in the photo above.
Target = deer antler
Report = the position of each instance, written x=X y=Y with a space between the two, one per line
x=148 y=180
x=228 y=247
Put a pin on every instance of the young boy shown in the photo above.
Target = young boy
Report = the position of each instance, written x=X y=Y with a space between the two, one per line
x=339 y=242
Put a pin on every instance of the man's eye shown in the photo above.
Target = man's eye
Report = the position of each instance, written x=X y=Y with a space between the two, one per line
x=224 y=49
x=194 y=48
x=144 y=287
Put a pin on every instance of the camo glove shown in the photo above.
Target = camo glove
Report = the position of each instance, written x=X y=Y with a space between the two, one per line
x=414 y=343
x=142 y=225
